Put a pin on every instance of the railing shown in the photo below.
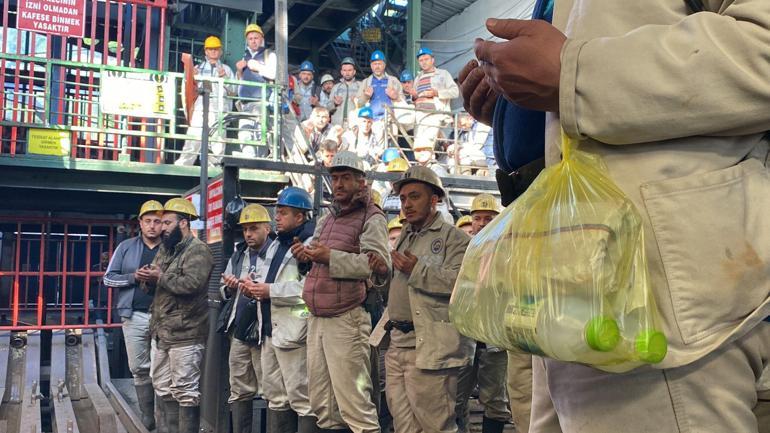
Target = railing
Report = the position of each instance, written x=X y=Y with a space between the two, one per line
x=95 y=106
x=457 y=145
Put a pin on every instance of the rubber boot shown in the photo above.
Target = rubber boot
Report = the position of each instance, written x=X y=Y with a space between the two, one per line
x=281 y=421
x=241 y=415
x=489 y=425
x=160 y=415
x=308 y=424
x=145 y=395
x=189 y=419
x=171 y=414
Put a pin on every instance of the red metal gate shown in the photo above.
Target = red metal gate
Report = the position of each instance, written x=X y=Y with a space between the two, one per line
x=51 y=271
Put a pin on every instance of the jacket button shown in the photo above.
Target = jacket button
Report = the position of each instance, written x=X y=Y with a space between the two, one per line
x=417 y=312
x=420 y=340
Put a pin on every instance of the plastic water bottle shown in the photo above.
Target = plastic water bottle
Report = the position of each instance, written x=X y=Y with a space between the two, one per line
x=641 y=334
x=570 y=329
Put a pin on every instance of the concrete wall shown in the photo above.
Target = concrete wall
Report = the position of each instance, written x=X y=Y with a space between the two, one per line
x=452 y=42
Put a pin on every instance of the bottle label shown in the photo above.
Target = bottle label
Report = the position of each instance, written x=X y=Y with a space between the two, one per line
x=521 y=324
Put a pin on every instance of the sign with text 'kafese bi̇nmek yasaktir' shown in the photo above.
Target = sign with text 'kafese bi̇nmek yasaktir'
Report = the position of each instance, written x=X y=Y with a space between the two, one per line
x=55 y=17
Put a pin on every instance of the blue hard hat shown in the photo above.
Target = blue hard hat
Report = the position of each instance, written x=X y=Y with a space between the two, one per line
x=292 y=196
x=365 y=112
x=390 y=154
x=406 y=76
x=424 y=50
x=306 y=66
x=377 y=55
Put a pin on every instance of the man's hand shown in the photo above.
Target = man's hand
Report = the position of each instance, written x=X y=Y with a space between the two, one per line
x=318 y=253
x=221 y=71
x=525 y=69
x=403 y=262
x=230 y=281
x=430 y=93
x=369 y=91
x=479 y=99
x=392 y=93
x=338 y=100
x=149 y=274
x=241 y=65
x=313 y=101
x=298 y=251
x=258 y=291
x=377 y=264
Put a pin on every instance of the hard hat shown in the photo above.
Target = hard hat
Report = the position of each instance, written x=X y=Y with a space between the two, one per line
x=292 y=196
x=254 y=213
x=395 y=223
x=150 y=206
x=347 y=159
x=366 y=113
x=377 y=55
x=484 y=202
x=377 y=198
x=406 y=76
x=390 y=154
x=423 y=51
x=398 y=165
x=348 y=61
x=180 y=205
x=418 y=173
x=326 y=78
x=253 y=28
x=306 y=66
x=464 y=221
x=401 y=216
x=212 y=42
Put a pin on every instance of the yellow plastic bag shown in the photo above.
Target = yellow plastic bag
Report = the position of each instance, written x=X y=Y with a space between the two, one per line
x=561 y=273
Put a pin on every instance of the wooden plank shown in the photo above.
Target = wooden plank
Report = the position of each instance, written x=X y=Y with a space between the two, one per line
x=30 y=405
x=5 y=353
x=63 y=419
x=107 y=420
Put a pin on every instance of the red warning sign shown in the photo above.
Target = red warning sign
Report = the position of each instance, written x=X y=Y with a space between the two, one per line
x=55 y=17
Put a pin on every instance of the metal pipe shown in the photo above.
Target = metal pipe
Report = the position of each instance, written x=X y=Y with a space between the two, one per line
x=204 y=91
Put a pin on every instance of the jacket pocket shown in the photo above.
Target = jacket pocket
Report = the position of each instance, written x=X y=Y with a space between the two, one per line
x=714 y=242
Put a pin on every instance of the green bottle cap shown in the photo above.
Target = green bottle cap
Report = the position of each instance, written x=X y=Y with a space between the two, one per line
x=651 y=346
x=602 y=333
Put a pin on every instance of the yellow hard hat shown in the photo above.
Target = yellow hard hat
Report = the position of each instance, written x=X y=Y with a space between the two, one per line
x=212 y=42
x=398 y=165
x=377 y=198
x=484 y=202
x=254 y=213
x=180 y=205
x=401 y=217
x=395 y=223
x=464 y=221
x=253 y=28
x=150 y=206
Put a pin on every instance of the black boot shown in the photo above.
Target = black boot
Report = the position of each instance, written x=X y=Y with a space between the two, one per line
x=489 y=425
x=241 y=415
x=189 y=419
x=308 y=424
x=145 y=395
x=171 y=414
x=281 y=421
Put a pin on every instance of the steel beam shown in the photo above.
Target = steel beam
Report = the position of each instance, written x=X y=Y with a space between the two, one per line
x=413 y=32
x=320 y=8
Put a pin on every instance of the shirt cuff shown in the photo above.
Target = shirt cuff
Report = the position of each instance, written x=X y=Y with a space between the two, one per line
x=570 y=54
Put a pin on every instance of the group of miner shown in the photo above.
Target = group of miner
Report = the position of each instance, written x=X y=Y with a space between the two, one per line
x=327 y=116
x=338 y=319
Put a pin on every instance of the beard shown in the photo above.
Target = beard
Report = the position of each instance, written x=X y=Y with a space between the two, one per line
x=170 y=240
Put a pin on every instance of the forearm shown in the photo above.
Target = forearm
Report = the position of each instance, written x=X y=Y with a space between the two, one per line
x=705 y=75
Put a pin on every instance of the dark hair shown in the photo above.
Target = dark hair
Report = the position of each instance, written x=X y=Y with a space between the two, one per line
x=329 y=145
